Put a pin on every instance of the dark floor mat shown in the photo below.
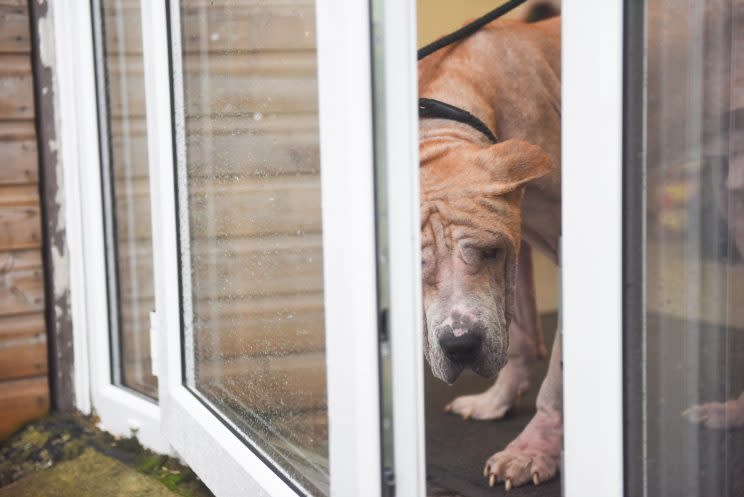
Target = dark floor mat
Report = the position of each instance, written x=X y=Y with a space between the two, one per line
x=699 y=363
x=456 y=450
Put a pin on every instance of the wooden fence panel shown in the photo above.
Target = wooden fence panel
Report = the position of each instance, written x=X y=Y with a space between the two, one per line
x=21 y=282
x=21 y=401
x=24 y=392
x=16 y=87
x=14 y=35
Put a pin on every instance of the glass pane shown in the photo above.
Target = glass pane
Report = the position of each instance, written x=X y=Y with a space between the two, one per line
x=126 y=192
x=684 y=249
x=251 y=227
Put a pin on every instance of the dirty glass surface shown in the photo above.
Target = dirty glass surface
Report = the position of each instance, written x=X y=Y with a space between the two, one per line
x=126 y=191
x=250 y=220
x=684 y=263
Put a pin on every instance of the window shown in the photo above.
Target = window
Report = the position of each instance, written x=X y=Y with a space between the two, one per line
x=251 y=229
x=126 y=194
x=684 y=247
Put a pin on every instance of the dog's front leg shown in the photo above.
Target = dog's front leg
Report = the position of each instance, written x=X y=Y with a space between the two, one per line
x=535 y=453
x=718 y=415
x=525 y=345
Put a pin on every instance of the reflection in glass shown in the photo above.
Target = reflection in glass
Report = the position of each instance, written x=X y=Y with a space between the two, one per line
x=685 y=339
x=251 y=228
x=126 y=192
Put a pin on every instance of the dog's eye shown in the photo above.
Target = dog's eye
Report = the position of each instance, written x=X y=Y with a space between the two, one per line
x=493 y=253
x=471 y=255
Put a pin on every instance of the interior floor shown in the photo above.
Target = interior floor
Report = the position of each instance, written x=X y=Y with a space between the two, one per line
x=456 y=450
x=695 y=363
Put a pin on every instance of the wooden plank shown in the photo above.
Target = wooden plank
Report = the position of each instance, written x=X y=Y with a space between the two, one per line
x=234 y=267
x=251 y=326
x=22 y=401
x=20 y=162
x=14 y=27
x=22 y=325
x=255 y=206
x=228 y=208
x=275 y=324
x=20 y=227
x=267 y=384
x=221 y=27
x=17 y=130
x=138 y=375
x=16 y=87
x=277 y=144
x=126 y=85
x=262 y=335
x=307 y=428
x=250 y=85
x=224 y=84
x=19 y=195
x=21 y=282
x=249 y=27
x=23 y=357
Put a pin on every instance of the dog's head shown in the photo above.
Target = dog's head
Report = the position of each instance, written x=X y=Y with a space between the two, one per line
x=470 y=234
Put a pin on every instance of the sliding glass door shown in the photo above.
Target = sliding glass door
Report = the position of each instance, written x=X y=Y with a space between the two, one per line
x=251 y=232
x=684 y=264
x=265 y=243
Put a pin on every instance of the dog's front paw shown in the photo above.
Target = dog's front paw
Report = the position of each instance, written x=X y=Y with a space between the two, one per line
x=718 y=415
x=495 y=402
x=486 y=405
x=533 y=456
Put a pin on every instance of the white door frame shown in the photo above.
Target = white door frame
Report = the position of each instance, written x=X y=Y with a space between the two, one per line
x=397 y=107
x=591 y=249
x=120 y=410
x=207 y=443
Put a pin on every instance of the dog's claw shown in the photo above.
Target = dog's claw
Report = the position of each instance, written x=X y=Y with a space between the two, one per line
x=535 y=479
x=492 y=480
x=508 y=484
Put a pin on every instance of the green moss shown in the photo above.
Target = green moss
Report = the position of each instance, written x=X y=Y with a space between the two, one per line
x=69 y=441
x=150 y=463
x=171 y=480
x=91 y=474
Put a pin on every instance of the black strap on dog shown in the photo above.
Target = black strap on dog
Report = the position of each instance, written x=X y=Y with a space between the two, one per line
x=428 y=107
x=469 y=29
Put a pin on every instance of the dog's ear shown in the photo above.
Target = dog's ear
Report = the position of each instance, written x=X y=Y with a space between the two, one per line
x=512 y=164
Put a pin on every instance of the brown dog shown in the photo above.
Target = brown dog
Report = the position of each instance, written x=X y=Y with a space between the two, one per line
x=484 y=207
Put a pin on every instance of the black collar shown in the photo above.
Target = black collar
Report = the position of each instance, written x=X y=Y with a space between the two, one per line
x=428 y=107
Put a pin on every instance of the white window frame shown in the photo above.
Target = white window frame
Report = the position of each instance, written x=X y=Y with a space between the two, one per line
x=207 y=444
x=120 y=410
x=591 y=249
x=592 y=72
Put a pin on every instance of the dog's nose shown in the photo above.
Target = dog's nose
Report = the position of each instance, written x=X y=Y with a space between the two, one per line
x=462 y=349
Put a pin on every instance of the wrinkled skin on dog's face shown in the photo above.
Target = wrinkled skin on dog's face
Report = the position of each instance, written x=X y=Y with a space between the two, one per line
x=470 y=236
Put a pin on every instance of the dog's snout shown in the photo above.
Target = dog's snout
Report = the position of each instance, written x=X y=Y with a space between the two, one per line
x=462 y=349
